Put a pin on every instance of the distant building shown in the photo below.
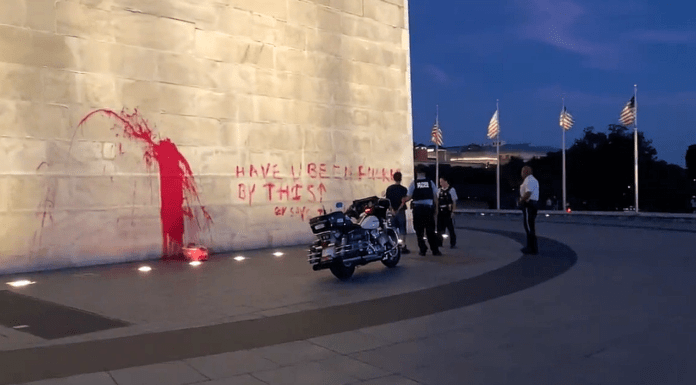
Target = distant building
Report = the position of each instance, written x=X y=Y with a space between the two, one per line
x=475 y=155
x=420 y=153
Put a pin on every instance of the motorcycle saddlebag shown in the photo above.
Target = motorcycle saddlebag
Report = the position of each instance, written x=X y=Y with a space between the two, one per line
x=328 y=222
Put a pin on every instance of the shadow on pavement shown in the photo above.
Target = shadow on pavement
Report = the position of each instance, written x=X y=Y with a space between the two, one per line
x=102 y=355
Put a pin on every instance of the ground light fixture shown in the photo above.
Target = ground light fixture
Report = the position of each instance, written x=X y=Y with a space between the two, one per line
x=21 y=283
x=144 y=269
x=278 y=254
x=195 y=263
x=239 y=258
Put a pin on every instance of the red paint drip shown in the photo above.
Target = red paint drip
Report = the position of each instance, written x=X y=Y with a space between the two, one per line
x=176 y=178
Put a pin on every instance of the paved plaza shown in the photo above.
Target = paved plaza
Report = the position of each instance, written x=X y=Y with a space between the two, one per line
x=607 y=301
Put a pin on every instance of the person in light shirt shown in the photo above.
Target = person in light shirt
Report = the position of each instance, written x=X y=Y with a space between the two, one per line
x=447 y=202
x=529 y=201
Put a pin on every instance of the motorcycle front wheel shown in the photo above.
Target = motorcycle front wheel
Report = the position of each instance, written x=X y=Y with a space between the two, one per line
x=342 y=271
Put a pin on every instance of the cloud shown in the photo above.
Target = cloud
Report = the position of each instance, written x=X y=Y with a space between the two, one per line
x=571 y=27
x=671 y=37
x=554 y=93
x=687 y=98
x=604 y=35
x=437 y=74
x=482 y=43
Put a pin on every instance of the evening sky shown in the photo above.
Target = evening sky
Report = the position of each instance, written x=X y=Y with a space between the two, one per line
x=530 y=54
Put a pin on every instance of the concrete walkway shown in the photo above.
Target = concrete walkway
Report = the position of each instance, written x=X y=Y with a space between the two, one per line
x=604 y=303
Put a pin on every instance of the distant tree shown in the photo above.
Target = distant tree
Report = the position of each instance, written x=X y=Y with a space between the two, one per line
x=600 y=168
x=690 y=159
x=472 y=184
x=600 y=175
x=549 y=172
x=663 y=187
x=510 y=181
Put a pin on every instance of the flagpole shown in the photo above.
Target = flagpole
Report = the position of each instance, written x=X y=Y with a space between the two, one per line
x=437 y=160
x=564 y=161
x=437 y=147
x=497 y=153
x=635 y=139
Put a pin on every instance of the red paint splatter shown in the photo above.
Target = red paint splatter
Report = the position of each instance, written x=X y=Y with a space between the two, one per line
x=177 y=185
x=45 y=209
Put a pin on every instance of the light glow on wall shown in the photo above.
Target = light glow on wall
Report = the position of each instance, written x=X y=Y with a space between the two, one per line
x=150 y=150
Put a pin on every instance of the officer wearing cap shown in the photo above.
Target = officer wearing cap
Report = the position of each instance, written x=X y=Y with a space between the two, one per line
x=529 y=201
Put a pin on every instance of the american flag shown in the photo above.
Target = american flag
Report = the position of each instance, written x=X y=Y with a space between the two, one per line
x=566 y=119
x=436 y=135
x=493 y=128
x=628 y=114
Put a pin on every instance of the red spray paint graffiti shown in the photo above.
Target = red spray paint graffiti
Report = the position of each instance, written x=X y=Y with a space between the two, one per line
x=177 y=185
x=45 y=210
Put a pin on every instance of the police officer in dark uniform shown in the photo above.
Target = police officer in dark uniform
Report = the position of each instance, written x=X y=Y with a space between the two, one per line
x=423 y=192
x=447 y=200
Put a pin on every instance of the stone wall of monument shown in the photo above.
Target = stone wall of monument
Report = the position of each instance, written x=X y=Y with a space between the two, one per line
x=130 y=127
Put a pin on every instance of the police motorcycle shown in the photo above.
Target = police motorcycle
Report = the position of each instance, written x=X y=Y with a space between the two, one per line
x=356 y=237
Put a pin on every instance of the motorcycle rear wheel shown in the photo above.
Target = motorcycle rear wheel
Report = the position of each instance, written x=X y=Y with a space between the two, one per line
x=342 y=271
x=393 y=259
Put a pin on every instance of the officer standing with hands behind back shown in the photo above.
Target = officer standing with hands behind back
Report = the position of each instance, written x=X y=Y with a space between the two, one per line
x=423 y=192
x=395 y=193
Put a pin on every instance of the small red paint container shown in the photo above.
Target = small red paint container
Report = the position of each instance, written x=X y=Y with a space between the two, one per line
x=195 y=253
